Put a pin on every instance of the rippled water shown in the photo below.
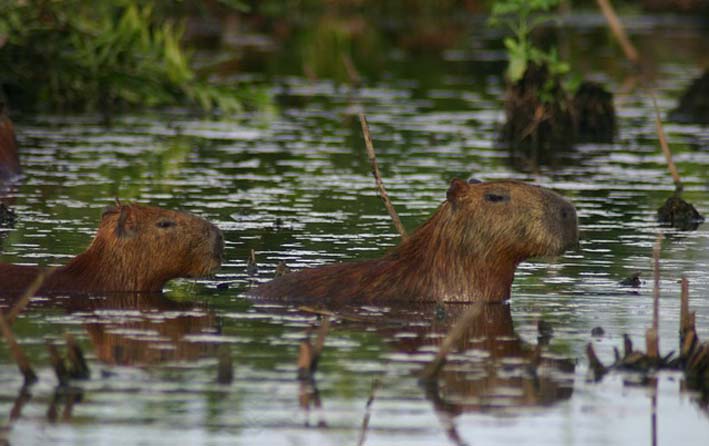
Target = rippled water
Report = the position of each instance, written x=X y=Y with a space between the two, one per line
x=295 y=186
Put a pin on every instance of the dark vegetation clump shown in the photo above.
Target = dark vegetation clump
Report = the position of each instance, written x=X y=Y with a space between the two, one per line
x=595 y=114
x=7 y=216
x=694 y=104
x=679 y=214
x=542 y=119
x=539 y=114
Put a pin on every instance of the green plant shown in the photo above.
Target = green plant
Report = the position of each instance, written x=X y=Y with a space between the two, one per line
x=521 y=17
x=84 y=55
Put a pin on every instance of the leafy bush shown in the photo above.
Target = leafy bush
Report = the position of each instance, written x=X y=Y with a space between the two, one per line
x=521 y=17
x=85 y=55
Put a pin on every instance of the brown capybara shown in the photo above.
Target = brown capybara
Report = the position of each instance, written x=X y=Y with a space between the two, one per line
x=136 y=248
x=467 y=251
x=9 y=160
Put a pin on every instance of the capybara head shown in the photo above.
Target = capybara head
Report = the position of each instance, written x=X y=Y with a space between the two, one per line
x=511 y=219
x=147 y=246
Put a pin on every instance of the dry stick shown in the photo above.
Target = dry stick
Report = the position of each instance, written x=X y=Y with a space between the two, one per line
x=594 y=363
x=617 y=28
x=78 y=368
x=319 y=343
x=684 y=309
x=455 y=334
x=20 y=358
x=652 y=335
x=378 y=177
x=309 y=354
x=376 y=384
x=664 y=146
x=57 y=363
x=28 y=294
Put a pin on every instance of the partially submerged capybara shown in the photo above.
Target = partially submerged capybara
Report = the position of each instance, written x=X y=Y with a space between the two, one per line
x=136 y=248
x=9 y=160
x=467 y=251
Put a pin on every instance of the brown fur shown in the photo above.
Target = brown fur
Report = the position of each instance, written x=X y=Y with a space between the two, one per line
x=9 y=160
x=467 y=251
x=131 y=252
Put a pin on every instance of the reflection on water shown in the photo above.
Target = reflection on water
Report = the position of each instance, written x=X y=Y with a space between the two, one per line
x=295 y=187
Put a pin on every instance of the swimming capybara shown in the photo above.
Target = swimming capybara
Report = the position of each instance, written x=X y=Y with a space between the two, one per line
x=9 y=160
x=136 y=248
x=467 y=251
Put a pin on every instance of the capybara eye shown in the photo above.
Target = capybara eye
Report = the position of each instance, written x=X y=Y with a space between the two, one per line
x=496 y=198
x=166 y=224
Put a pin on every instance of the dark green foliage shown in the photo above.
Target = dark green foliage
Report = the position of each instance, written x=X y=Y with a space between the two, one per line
x=82 y=55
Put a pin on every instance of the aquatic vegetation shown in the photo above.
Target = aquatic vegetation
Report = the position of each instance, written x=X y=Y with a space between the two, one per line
x=100 y=57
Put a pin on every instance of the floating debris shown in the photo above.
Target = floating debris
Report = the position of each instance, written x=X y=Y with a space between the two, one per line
x=632 y=281
x=597 y=332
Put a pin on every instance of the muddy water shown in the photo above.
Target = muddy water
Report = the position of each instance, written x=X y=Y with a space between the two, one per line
x=294 y=185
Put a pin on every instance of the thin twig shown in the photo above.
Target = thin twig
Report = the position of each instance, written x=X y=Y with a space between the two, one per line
x=376 y=384
x=684 y=308
x=455 y=335
x=664 y=146
x=652 y=335
x=27 y=295
x=378 y=177
x=309 y=354
x=617 y=28
x=57 y=363
x=78 y=369
x=20 y=358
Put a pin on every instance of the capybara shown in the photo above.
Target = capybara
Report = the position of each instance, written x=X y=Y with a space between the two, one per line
x=136 y=248
x=467 y=251
x=9 y=160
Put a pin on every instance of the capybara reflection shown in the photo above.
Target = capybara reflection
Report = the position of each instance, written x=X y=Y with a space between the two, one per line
x=467 y=251
x=9 y=160
x=136 y=248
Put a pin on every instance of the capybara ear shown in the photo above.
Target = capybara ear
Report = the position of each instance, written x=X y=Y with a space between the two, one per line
x=123 y=226
x=474 y=181
x=108 y=210
x=455 y=190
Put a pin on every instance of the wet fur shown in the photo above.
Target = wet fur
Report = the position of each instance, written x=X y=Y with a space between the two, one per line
x=467 y=251
x=9 y=160
x=130 y=253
